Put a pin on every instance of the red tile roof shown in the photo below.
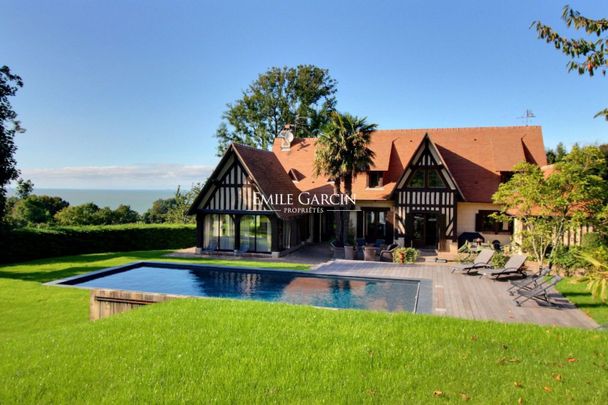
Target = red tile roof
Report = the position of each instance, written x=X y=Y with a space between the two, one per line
x=474 y=156
x=270 y=176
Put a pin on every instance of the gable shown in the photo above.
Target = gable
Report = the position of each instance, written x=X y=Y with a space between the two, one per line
x=427 y=165
x=230 y=189
x=234 y=191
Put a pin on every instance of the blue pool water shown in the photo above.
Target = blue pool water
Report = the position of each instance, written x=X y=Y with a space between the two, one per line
x=263 y=285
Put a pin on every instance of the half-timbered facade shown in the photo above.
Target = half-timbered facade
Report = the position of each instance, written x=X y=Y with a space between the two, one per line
x=231 y=211
x=426 y=198
x=426 y=189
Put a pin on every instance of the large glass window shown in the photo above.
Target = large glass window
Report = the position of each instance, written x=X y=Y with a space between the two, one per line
x=417 y=180
x=429 y=178
x=219 y=232
x=210 y=232
x=262 y=234
x=255 y=233
x=226 y=232
x=434 y=179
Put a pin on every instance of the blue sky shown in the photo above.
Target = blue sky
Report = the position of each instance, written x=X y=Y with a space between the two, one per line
x=128 y=94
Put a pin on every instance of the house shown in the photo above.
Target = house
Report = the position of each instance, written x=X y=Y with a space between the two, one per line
x=425 y=189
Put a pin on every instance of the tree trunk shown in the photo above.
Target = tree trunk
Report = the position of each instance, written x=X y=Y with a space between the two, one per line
x=338 y=215
x=348 y=190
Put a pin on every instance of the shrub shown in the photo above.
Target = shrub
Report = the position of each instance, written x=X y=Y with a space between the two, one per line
x=592 y=240
x=405 y=255
x=35 y=243
x=568 y=259
x=499 y=259
x=597 y=276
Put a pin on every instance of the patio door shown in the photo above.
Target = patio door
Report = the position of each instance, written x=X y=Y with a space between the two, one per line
x=424 y=230
x=375 y=225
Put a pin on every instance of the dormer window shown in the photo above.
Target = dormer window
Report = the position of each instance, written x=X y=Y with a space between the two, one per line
x=295 y=175
x=374 y=179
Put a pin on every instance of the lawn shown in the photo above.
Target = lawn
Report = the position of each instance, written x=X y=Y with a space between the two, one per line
x=246 y=352
x=577 y=293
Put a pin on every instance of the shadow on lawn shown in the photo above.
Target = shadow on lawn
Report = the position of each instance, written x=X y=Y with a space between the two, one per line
x=67 y=266
x=577 y=293
x=46 y=276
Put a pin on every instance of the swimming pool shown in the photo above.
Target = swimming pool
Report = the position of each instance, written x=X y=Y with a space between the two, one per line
x=294 y=287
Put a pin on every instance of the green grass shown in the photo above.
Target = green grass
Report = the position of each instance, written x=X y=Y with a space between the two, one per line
x=44 y=270
x=577 y=293
x=246 y=352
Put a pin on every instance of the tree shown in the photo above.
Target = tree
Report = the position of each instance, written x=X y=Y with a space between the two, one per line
x=30 y=211
x=91 y=214
x=123 y=214
x=158 y=212
x=303 y=96
x=586 y=55
x=326 y=163
x=24 y=188
x=84 y=214
x=604 y=149
x=548 y=206
x=557 y=155
x=177 y=214
x=35 y=209
x=343 y=153
x=9 y=126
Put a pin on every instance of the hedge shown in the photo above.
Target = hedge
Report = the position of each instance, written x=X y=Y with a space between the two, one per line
x=37 y=243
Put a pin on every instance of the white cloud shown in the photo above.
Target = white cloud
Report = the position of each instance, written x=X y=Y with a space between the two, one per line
x=156 y=176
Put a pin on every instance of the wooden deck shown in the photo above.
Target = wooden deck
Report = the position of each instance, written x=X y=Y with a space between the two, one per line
x=469 y=297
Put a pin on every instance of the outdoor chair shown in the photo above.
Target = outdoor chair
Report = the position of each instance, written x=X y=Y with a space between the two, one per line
x=482 y=261
x=529 y=283
x=388 y=252
x=360 y=243
x=540 y=293
x=379 y=245
x=515 y=265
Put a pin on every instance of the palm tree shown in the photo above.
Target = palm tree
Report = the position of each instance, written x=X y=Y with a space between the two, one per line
x=327 y=164
x=343 y=153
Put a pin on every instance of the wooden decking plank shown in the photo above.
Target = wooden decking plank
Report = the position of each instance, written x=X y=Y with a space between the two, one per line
x=464 y=296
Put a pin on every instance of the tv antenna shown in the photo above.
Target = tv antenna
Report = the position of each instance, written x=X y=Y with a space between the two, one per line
x=528 y=115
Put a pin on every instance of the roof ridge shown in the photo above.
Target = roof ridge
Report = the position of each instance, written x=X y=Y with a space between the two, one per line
x=456 y=128
x=250 y=147
x=447 y=129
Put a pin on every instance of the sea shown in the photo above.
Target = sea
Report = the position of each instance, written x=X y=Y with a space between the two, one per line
x=139 y=200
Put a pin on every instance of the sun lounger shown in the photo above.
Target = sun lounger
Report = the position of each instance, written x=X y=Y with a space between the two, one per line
x=515 y=265
x=482 y=261
x=529 y=283
x=540 y=293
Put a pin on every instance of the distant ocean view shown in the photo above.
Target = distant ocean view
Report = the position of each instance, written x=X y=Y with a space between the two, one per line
x=139 y=200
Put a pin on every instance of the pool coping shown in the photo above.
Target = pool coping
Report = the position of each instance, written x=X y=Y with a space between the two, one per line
x=422 y=305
